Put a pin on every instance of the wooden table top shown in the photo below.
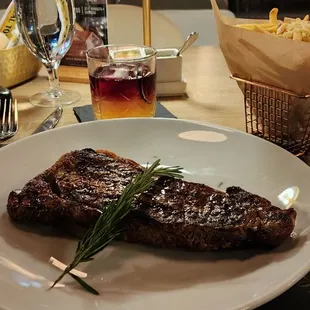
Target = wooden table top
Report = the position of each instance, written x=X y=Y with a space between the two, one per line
x=212 y=96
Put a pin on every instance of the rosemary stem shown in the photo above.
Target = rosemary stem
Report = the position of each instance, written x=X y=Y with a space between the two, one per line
x=65 y=272
x=106 y=228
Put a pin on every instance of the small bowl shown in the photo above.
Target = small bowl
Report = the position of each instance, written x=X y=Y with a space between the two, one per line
x=17 y=65
x=169 y=66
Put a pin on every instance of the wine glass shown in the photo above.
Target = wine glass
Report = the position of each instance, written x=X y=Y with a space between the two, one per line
x=47 y=29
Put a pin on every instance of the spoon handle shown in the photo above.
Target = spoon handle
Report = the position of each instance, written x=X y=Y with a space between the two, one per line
x=188 y=42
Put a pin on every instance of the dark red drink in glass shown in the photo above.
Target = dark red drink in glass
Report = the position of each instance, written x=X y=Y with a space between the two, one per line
x=123 y=85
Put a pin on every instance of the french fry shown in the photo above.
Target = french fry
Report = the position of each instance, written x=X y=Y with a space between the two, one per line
x=273 y=16
x=272 y=29
x=245 y=26
x=288 y=20
x=257 y=28
x=282 y=28
x=291 y=28
x=297 y=35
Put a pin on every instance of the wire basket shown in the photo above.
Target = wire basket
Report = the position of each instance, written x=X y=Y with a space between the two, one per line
x=277 y=115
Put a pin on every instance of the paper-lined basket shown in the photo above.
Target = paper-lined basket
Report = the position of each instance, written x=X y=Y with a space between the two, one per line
x=278 y=69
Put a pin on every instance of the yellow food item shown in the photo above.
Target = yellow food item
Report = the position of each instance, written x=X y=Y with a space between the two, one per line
x=273 y=16
x=290 y=28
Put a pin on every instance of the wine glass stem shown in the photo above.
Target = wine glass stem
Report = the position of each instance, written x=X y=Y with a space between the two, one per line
x=54 y=90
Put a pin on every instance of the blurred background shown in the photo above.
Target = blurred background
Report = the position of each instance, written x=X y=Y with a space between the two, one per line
x=156 y=4
x=241 y=8
x=181 y=17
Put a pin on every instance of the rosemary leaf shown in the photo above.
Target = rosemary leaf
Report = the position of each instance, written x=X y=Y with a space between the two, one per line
x=84 y=284
x=85 y=260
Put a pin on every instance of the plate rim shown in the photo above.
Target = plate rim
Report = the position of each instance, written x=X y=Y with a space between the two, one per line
x=152 y=119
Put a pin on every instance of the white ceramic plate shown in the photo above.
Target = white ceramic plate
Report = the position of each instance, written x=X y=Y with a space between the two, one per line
x=135 y=277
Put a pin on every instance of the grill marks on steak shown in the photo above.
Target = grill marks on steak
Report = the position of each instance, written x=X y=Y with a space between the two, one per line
x=173 y=213
x=74 y=189
x=92 y=178
x=206 y=219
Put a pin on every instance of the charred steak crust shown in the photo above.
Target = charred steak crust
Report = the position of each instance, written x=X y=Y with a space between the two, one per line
x=173 y=213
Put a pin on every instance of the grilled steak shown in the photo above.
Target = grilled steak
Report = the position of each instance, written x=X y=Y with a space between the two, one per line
x=173 y=213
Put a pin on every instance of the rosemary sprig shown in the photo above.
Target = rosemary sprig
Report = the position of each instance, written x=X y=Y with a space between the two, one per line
x=106 y=227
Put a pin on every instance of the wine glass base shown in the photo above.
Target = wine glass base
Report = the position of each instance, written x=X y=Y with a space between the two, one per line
x=67 y=97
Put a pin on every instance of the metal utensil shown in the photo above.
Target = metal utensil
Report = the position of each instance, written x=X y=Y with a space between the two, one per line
x=8 y=118
x=51 y=121
x=188 y=42
x=5 y=93
x=5 y=96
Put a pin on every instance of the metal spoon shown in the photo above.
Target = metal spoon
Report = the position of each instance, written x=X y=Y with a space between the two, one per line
x=188 y=42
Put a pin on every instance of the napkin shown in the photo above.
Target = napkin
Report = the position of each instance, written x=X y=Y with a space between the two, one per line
x=85 y=113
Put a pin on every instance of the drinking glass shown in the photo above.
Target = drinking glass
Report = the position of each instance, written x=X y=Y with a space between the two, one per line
x=47 y=28
x=122 y=81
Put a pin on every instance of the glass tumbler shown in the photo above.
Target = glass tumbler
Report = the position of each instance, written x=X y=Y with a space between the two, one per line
x=122 y=81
